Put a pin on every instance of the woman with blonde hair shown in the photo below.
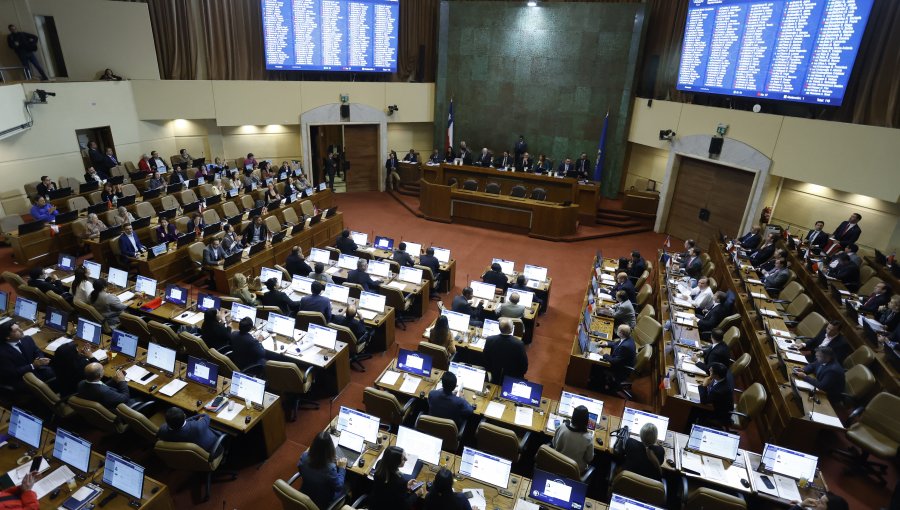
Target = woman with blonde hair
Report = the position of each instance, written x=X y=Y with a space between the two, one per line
x=122 y=216
x=93 y=226
x=241 y=290
x=645 y=457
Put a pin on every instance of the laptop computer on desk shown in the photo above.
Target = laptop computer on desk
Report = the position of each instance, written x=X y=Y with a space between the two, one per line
x=111 y=232
x=233 y=259
x=60 y=193
x=126 y=200
x=98 y=208
x=66 y=217
x=151 y=193
x=141 y=222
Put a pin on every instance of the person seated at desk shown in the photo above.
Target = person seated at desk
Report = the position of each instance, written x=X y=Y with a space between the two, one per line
x=322 y=472
x=890 y=316
x=717 y=391
x=750 y=240
x=525 y=163
x=693 y=264
x=214 y=255
x=827 y=501
x=20 y=355
x=178 y=176
x=360 y=277
x=157 y=163
x=444 y=403
x=391 y=166
x=107 y=304
x=622 y=311
x=621 y=360
x=848 y=231
x=777 y=278
x=464 y=153
x=230 y=241
x=463 y=304
x=496 y=277
x=505 y=354
x=296 y=263
x=566 y=168
x=435 y=157
x=318 y=274
x=816 y=239
x=45 y=187
x=247 y=350
x=111 y=193
x=195 y=224
x=215 y=331
x=441 y=495
x=411 y=156
x=574 y=440
x=852 y=251
x=68 y=363
x=240 y=289
x=764 y=252
x=636 y=266
x=441 y=335
x=583 y=167
x=122 y=216
x=769 y=265
x=701 y=296
x=345 y=243
x=431 y=262
x=486 y=159
x=541 y=166
x=143 y=166
x=110 y=394
x=879 y=297
x=845 y=271
x=685 y=255
x=51 y=282
x=81 y=284
x=91 y=175
x=130 y=244
x=645 y=457
x=391 y=490
x=831 y=337
x=271 y=193
x=317 y=302
x=714 y=315
x=350 y=321
x=256 y=232
x=511 y=309
x=401 y=257
x=166 y=232
x=22 y=497
x=504 y=161
x=829 y=374
x=93 y=226
x=624 y=283
x=178 y=428
x=521 y=283
x=275 y=297
x=42 y=211
x=718 y=352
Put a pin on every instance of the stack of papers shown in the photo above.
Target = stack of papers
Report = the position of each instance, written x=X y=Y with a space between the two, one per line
x=136 y=374
x=787 y=488
x=229 y=415
x=795 y=357
x=390 y=378
x=524 y=416
x=397 y=285
x=693 y=391
x=126 y=296
x=410 y=384
x=533 y=284
x=827 y=419
x=782 y=333
x=31 y=331
x=684 y=315
x=769 y=313
x=58 y=477
x=193 y=319
x=173 y=387
x=332 y=270
x=757 y=295
x=478 y=342
x=754 y=281
x=683 y=302
x=803 y=385
x=602 y=296
x=495 y=410
x=56 y=344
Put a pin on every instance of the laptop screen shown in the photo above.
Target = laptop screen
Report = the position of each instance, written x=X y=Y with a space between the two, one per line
x=117 y=277
x=468 y=377
x=713 y=442
x=525 y=297
x=176 y=294
x=371 y=301
x=302 y=284
x=537 y=273
x=490 y=328
x=123 y=342
x=240 y=310
x=249 y=388
x=319 y=255
x=66 y=262
x=379 y=268
x=207 y=302
x=521 y=391
x=384 y=243
x=557 y=491
x=123 y=475
x=569 y=401
x=337 y=293
x=482 y=290
x=426 y=448
x=26 y=309
x=507 y=266
x=88 y=331
x=267 y=273
x=790 y=463
x=347 y=261
x=203 y=372
x=359 y=423
x=442 y=254
x=414 y=249
x=634 y=419
x=410 y=275
x=322 y=336
x=360 y=238
x=144 y=285
x=161 y=357
x=485 y=468
x=282 y=325
x=414 y=362
x=4 y=300
x=93 y=269
x=458 y=322
x=72 y=450
x=25 y=427
x=620 y=502
x=56 y=319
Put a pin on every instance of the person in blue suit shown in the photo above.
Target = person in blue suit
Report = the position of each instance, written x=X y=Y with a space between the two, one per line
x=360 y=277
x=829 y=374
x=42 y=211
x=317 y=302
x=247 y=350
x=20 y=355
x=442 y=403
x=129 y=242
x=323 y=474
x=180 y=429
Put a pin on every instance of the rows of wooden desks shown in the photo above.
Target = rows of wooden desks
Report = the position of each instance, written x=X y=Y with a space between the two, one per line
x=884 y=371
x=592 y=328
x=447 y=270
x=155 y=495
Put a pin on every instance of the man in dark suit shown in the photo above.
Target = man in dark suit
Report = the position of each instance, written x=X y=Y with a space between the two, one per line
x=521 y=283
x=401 y=257
x=496 y=277
x=464 y=153
x=777 y=278
x=275 y=297
x=178 y=428
x=504 y=161
x=296 y=264
x=98 y=160
x=346 y=244
x=485 y=159
x=693 y=266
x=316 y=302
x=108 y=394
x=45 y=187
x=623 y=283
x=247 y=350
x=157 y=163
x=525 y=163
x=829 y=374
x=52 y=282
x=505 y=354
x=390 y=166
x=816 y=238
x=583 y=167
x=566 y=168
x=214 y=254
x=349 y=320
x=879 y=297
x=520 y=149
x=443 y=403
x=713 y=316
x=621 y=360
x=19 y=355
x=462 y=304
x=831 y=337
x=780 y=253
x=718 y=352
x=848 y=231
x=846 y=271
x=718 y=391
x=764 y=252
x=129 y=243
x=750 y=240
x=24 y=45
x=256 y=232
x=637 y=266
x=411 y=156
x=430 y=261
x=360 y=277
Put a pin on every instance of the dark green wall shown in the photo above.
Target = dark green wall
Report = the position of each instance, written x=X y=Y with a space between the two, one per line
x=549 y=73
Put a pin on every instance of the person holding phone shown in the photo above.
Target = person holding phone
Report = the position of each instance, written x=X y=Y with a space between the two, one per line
x=391 y=490
x=21 y=497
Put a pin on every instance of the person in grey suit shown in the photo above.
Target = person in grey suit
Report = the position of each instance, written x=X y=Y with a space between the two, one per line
x=109 y=395
x=623 y=311
x=109 y=305
x=214 y=254
x=403 y=258
x=512 y=309
x=778 y=277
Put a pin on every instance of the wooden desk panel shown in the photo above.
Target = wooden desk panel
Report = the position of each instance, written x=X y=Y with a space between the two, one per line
x=544 y=220
x=558 y=189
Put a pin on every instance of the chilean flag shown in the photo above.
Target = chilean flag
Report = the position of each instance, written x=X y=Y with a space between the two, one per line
x=449 y=144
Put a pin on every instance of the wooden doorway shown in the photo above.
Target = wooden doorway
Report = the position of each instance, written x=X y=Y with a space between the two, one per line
x=102 y=135
x=361 y=153
x=722 y=190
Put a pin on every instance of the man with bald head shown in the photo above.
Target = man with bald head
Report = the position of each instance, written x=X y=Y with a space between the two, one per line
x=350 y=321
x=505 y=354
x=109 y=394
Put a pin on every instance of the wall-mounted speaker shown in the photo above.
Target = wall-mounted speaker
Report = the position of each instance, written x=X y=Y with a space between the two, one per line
x=345 y=111
x=715 y=146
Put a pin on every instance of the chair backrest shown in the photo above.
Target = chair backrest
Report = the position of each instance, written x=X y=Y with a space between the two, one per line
x=164 y=335
x=78 y=203
x=751 y=403
x=230 y=209
x=800 y=306
x=498 y=441
x=550 y=460
x=729 y=321
x=639 y=283
x=642 y=361
x=96 y=414
x=181 y=223
x=859 y=382
x=291 y=498
x=45 y=394
x=865 y=272
x=34 y=294
x=732 y=339
x=211 y=217
x=647 y=331
x=518 y=191
x=226 y=366
x=136 y=326
x=137 y=422
x=740 y=365
x=641 y=488
x=643 y=295
x=307 y=208
x=344 y=334
x=702 y=498
x=811 y=325
x=440 y=358
x=790 y=291
x=290 y=216
x=355 y=289
x=183 y=456
x=470 y=184
x=647 y=311
x=87 y=310
x=869 y=286
x=144 y=209
x=863 y=355
x=193 y=345
x=383 y=405
x=13 y=279
x=129 y=190
x=394 y=298
x=188 y=197
x=168 y=202
x=286 y=377
x=195 y=251
x=883 y=415
x=10 y=223
x=713 y=284
x=539 y=194
x=272 y=223
x=492 y=187
x=59 y=302
x=247 y=202
x=95 y=197
x=304 y=319
x=443 y=428
x=708 y=269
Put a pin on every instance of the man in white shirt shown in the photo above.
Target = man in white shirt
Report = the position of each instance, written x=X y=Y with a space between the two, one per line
x=157 y=163
x=701 y=296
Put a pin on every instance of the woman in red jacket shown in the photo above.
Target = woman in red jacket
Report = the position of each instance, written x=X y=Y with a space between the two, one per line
x=21 y=497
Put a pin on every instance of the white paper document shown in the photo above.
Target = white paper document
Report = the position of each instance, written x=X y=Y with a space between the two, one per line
x=683 y=302
x=782 y=333
x=126 y=296
x=827 y=419
x=713 y=468
x=56 y=344
x=397 y=285
x=691 y=462
x=754 y=281
x=173 y=387
x=787 y=488
x=477 y=499
x=693 y=391
x=390 y=378
x=58 y=477
x=478 y=342
x=803 y=385
x=602 y=296
x=332 y=270
x=760 y=485
x=770 y=313
x=523 y=505
x=794 y=356
x=685 y=315
x=524 y=416
x=410 y=465
x=495 y=410
x=227 y=415
x=410 y=384
x=31 y=331
x=757 y=295
x=134 y=373
x=193 y=319
x=68 y=279
x=16 y=475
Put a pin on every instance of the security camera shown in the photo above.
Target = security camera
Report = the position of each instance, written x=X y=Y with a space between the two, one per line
x=40 y=96
x=666 y=134
x=393 y=108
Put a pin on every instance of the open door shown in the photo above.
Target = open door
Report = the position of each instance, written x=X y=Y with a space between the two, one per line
x=361 y=154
